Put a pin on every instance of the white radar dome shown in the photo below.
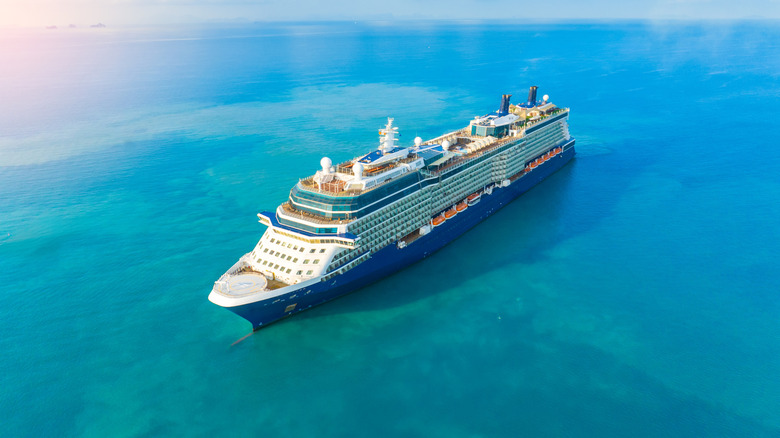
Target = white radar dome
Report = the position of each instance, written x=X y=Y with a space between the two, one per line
x=325 y=162
x=446 y=145
x=357 y=169
x=417 y=141
x=545 y=98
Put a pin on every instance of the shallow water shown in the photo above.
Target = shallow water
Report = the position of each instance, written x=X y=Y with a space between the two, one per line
x=632 y=293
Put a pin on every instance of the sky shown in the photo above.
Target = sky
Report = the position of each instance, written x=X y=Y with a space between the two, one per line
x=34 y=13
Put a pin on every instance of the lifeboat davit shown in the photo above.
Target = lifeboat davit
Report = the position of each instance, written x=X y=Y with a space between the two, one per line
x=462 y=206
x=438 y=220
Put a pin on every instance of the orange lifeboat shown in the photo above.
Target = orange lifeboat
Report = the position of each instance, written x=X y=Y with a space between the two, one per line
x=462 y=206
x=449 y=214
x=533 y=165
x=438 y=220
x=473 y=197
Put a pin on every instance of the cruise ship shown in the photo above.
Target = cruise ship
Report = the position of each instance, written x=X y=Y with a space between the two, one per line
x=353 y=223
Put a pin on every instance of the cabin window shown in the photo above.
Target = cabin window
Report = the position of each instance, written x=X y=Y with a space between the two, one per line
x=316 y=261
x=289 y=257
x=322 y=250
x=306 y=262
x=312 y=251
x=299 y=273
x=308 y=272
x=265 y=262
x=288 y=270
x=295 y=260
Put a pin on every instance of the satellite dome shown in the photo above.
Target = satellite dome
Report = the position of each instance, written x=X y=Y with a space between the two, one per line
x=545 y=97
x=417 y=141
x=446 y=145
x=325 y=162
x=357 y=169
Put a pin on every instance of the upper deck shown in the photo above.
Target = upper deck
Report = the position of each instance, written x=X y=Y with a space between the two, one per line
x=463 y=147
x=339 y=194
x=337 y=186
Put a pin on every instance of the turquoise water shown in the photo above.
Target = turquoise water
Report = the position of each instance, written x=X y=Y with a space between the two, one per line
x=633 y=293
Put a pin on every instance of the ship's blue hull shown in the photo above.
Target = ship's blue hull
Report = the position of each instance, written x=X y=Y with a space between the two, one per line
x=391 y=258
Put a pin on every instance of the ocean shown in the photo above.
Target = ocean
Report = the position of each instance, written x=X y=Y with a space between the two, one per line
x=632 y=293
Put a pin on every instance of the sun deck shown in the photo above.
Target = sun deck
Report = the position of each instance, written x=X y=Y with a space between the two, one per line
x=337 y=187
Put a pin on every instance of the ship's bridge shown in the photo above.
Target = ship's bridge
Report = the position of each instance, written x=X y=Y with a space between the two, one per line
x=317 y=235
